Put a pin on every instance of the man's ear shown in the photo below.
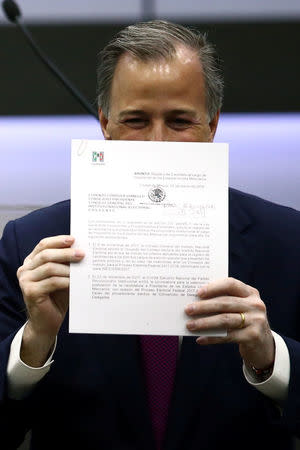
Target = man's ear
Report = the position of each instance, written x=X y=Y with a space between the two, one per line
x=213 y=124
x=103 y=122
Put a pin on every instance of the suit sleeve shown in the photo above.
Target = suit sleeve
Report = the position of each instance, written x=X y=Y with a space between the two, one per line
x=14 y=415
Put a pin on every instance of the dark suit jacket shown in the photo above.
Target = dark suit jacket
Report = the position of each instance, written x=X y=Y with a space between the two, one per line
x=93 y=397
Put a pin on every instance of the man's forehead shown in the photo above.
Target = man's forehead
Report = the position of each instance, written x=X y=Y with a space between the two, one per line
x=159 y=84
x=183 y=55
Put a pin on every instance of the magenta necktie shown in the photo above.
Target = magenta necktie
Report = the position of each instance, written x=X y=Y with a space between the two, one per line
x=159 y=358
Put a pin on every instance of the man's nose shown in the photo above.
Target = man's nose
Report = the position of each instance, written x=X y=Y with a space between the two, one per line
x=158 y=132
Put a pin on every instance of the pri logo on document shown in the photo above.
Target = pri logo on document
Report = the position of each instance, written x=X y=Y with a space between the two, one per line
x=97 y=157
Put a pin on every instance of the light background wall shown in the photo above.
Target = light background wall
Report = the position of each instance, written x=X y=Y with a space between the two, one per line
x=35 y=165
x=70 y=11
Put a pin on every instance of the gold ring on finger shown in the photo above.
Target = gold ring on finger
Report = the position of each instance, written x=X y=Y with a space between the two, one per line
x=242 y=324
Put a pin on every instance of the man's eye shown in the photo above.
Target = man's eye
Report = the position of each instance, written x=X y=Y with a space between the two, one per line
x=180 y=123
x=134 y=121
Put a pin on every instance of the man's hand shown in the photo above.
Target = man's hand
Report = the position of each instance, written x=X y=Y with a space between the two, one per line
x=44 y=279
x=224 y=301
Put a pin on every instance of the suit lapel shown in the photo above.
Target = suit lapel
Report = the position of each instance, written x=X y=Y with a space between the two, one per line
x=241 y=241
x=198 y=369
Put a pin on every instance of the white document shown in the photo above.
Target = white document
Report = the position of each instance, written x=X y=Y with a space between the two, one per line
x=152 y=218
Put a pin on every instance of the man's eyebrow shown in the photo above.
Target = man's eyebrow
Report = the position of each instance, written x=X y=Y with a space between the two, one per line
x=172 y=111
x=191 y=112
x=130 y=111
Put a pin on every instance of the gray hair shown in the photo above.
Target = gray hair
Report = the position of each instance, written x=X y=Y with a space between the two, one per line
x=153 y=40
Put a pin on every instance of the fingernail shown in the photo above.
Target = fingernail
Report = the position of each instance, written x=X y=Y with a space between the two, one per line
x=68 y=240
x=202 y=291
x=189 y=308
x=78 y=253
x=191 y=325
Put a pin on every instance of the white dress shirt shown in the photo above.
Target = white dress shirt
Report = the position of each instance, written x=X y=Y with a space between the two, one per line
x=22 y=378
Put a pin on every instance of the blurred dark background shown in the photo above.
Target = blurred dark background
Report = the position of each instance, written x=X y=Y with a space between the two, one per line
x=258 y=44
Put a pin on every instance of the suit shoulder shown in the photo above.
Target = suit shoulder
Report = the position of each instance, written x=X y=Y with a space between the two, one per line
x=272 y=216
x=255 y=204
x=44 y=222
x=58 y=213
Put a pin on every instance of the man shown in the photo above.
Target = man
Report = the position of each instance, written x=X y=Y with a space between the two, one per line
x=156 y=81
